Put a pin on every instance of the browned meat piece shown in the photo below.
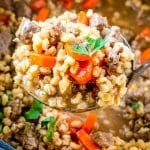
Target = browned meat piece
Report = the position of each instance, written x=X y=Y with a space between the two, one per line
x=7 y=4
x=133 y=96
x=28 y=137
x=103 y=139
x=16 y=105
x=138 y=95
x=147 y=108
x=113 y=60
x=5 y=40
x=141 y=121
x=41 y=146
x=112 y=35
x=147 y=117
x=112 y=66
x=144 y=135
x=30 y=142
x=26 y=29
x=55 y=34
x=98 y=21
x=142 y=129
x=22 y=9
x=54 y=37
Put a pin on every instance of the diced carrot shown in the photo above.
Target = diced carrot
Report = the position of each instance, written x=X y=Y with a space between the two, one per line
x=99 y=56
x=89 y=122
x=83 y=18
x=76 y=56
x=145 y=32
x=86 y=140
x=4 y=18
x=38 y=4
x=89 y=4
x=68 y=4
x=39 y=51
x=42 y=60
x=42 y=14
x=84 y=73
x=145 y=55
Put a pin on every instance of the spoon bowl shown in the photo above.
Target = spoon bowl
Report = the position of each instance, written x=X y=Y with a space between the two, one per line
x=71 y=108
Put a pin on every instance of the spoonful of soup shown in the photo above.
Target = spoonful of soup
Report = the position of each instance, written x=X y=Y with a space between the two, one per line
x=74 y=62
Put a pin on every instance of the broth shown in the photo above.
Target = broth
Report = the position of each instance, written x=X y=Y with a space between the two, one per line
x=110 y=119
x=119 y=14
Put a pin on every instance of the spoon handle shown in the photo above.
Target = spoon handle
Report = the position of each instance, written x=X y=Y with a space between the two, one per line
x=137 y=72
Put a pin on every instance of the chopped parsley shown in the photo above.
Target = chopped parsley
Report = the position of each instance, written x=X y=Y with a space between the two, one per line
x=10 y=97
x=45 y=121
x=50 y=122
x=90 y=46
x=34 y=111
x=1 y=116
x=1 y=127
x=135 y=105
x=27 y=125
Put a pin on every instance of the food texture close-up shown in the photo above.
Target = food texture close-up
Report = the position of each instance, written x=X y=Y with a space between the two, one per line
x=74 y=74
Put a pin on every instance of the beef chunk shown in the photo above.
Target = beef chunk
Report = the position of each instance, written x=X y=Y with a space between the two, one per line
x=113 y=59
x=26 y=29
x=7 y=4
x=142 y=129
x=147 y=108
x=5 y=40
x=98 y=21
x=16 y=106
x=28 y=137
x=22 y=9
x=102 y=139
x=112 y=34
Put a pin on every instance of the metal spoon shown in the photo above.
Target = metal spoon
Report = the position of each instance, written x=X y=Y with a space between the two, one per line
x=135 y=73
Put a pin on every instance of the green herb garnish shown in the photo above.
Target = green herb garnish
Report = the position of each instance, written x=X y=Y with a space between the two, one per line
x=26 y=129
x=1 y=116
x=32 y=114
x=10 y=97
x=135 y=105
x=34 y=111
x=90 y=46
x=45 y=121
x=1 y=127
x=50 y=122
